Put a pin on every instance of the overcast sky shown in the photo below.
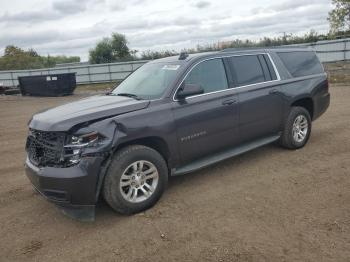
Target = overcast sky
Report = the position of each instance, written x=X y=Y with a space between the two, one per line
x=73 y=27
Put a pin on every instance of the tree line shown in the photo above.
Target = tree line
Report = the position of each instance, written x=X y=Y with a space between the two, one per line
x=105 y=51
x=16 y=58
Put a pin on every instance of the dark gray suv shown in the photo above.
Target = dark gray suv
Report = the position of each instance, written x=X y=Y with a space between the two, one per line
x=170 y=117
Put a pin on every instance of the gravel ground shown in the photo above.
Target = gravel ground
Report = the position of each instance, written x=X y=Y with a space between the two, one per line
x=268 y=205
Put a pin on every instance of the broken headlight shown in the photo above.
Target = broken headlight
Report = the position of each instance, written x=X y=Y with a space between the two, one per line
x=78 y=143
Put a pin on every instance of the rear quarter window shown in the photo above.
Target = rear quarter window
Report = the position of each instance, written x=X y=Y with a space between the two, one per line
x=301 y=63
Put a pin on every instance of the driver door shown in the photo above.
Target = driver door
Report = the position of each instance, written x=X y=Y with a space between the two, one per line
x=206 y=123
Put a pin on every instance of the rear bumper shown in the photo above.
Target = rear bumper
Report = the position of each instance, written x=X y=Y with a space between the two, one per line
x=73 y=188
x=321 y=105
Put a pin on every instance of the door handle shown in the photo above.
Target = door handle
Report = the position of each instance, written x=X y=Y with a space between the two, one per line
x=273 y=91
x=229 y=102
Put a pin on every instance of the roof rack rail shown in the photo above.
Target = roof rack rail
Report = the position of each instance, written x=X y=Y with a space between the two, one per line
x=264 y=47
x=241 y=49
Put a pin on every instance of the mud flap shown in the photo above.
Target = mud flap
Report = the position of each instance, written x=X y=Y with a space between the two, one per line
x=84 y=214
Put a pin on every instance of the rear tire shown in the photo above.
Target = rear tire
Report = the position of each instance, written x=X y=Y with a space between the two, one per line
x=135 y=180
x=297 y=128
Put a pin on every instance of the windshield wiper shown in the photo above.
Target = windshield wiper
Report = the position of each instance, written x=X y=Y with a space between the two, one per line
x=129 y=95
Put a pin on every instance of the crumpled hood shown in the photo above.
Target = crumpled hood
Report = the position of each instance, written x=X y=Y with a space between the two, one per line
x=64 y=117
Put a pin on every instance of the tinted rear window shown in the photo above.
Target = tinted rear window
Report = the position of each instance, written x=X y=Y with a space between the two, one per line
x=248 y=70
x=301 y=63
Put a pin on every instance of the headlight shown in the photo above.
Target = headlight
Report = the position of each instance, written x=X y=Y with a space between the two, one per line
x=84 y=140
x=76 y=145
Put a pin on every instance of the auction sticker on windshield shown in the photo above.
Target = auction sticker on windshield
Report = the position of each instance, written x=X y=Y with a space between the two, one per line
x=171 y=67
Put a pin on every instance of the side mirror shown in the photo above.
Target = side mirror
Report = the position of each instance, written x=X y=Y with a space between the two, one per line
x=189 y=90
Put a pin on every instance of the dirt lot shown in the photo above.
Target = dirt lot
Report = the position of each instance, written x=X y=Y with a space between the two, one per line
x=267 y=205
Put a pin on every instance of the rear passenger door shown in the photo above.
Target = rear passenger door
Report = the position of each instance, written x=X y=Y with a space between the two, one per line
x=260 y=100
x=206 y=123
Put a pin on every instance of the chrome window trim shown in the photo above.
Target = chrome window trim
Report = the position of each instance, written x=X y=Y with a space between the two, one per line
x=274 y=68
x=228 y=89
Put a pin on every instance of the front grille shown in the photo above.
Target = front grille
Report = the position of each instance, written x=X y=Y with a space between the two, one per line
x=45 y=148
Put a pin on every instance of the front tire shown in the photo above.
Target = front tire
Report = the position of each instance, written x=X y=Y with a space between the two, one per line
x=297 y=128
x=135 y=180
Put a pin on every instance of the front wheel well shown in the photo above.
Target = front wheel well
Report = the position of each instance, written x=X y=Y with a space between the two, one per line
x=155 y=143
x=306 y=103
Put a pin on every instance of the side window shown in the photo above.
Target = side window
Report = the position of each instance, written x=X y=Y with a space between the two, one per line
x=301 y=63
x=210 y=75
x=248 y=70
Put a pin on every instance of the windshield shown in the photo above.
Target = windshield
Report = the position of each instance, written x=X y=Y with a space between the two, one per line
x=149 y=81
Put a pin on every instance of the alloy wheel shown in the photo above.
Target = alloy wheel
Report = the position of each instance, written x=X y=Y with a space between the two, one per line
x=300 y=128
x=139 y=181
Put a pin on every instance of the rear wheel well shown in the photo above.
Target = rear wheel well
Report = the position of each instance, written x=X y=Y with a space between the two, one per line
x=155 y=143
x=306 y=103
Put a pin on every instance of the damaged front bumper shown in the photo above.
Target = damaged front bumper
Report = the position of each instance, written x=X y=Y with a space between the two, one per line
x=74 y=189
